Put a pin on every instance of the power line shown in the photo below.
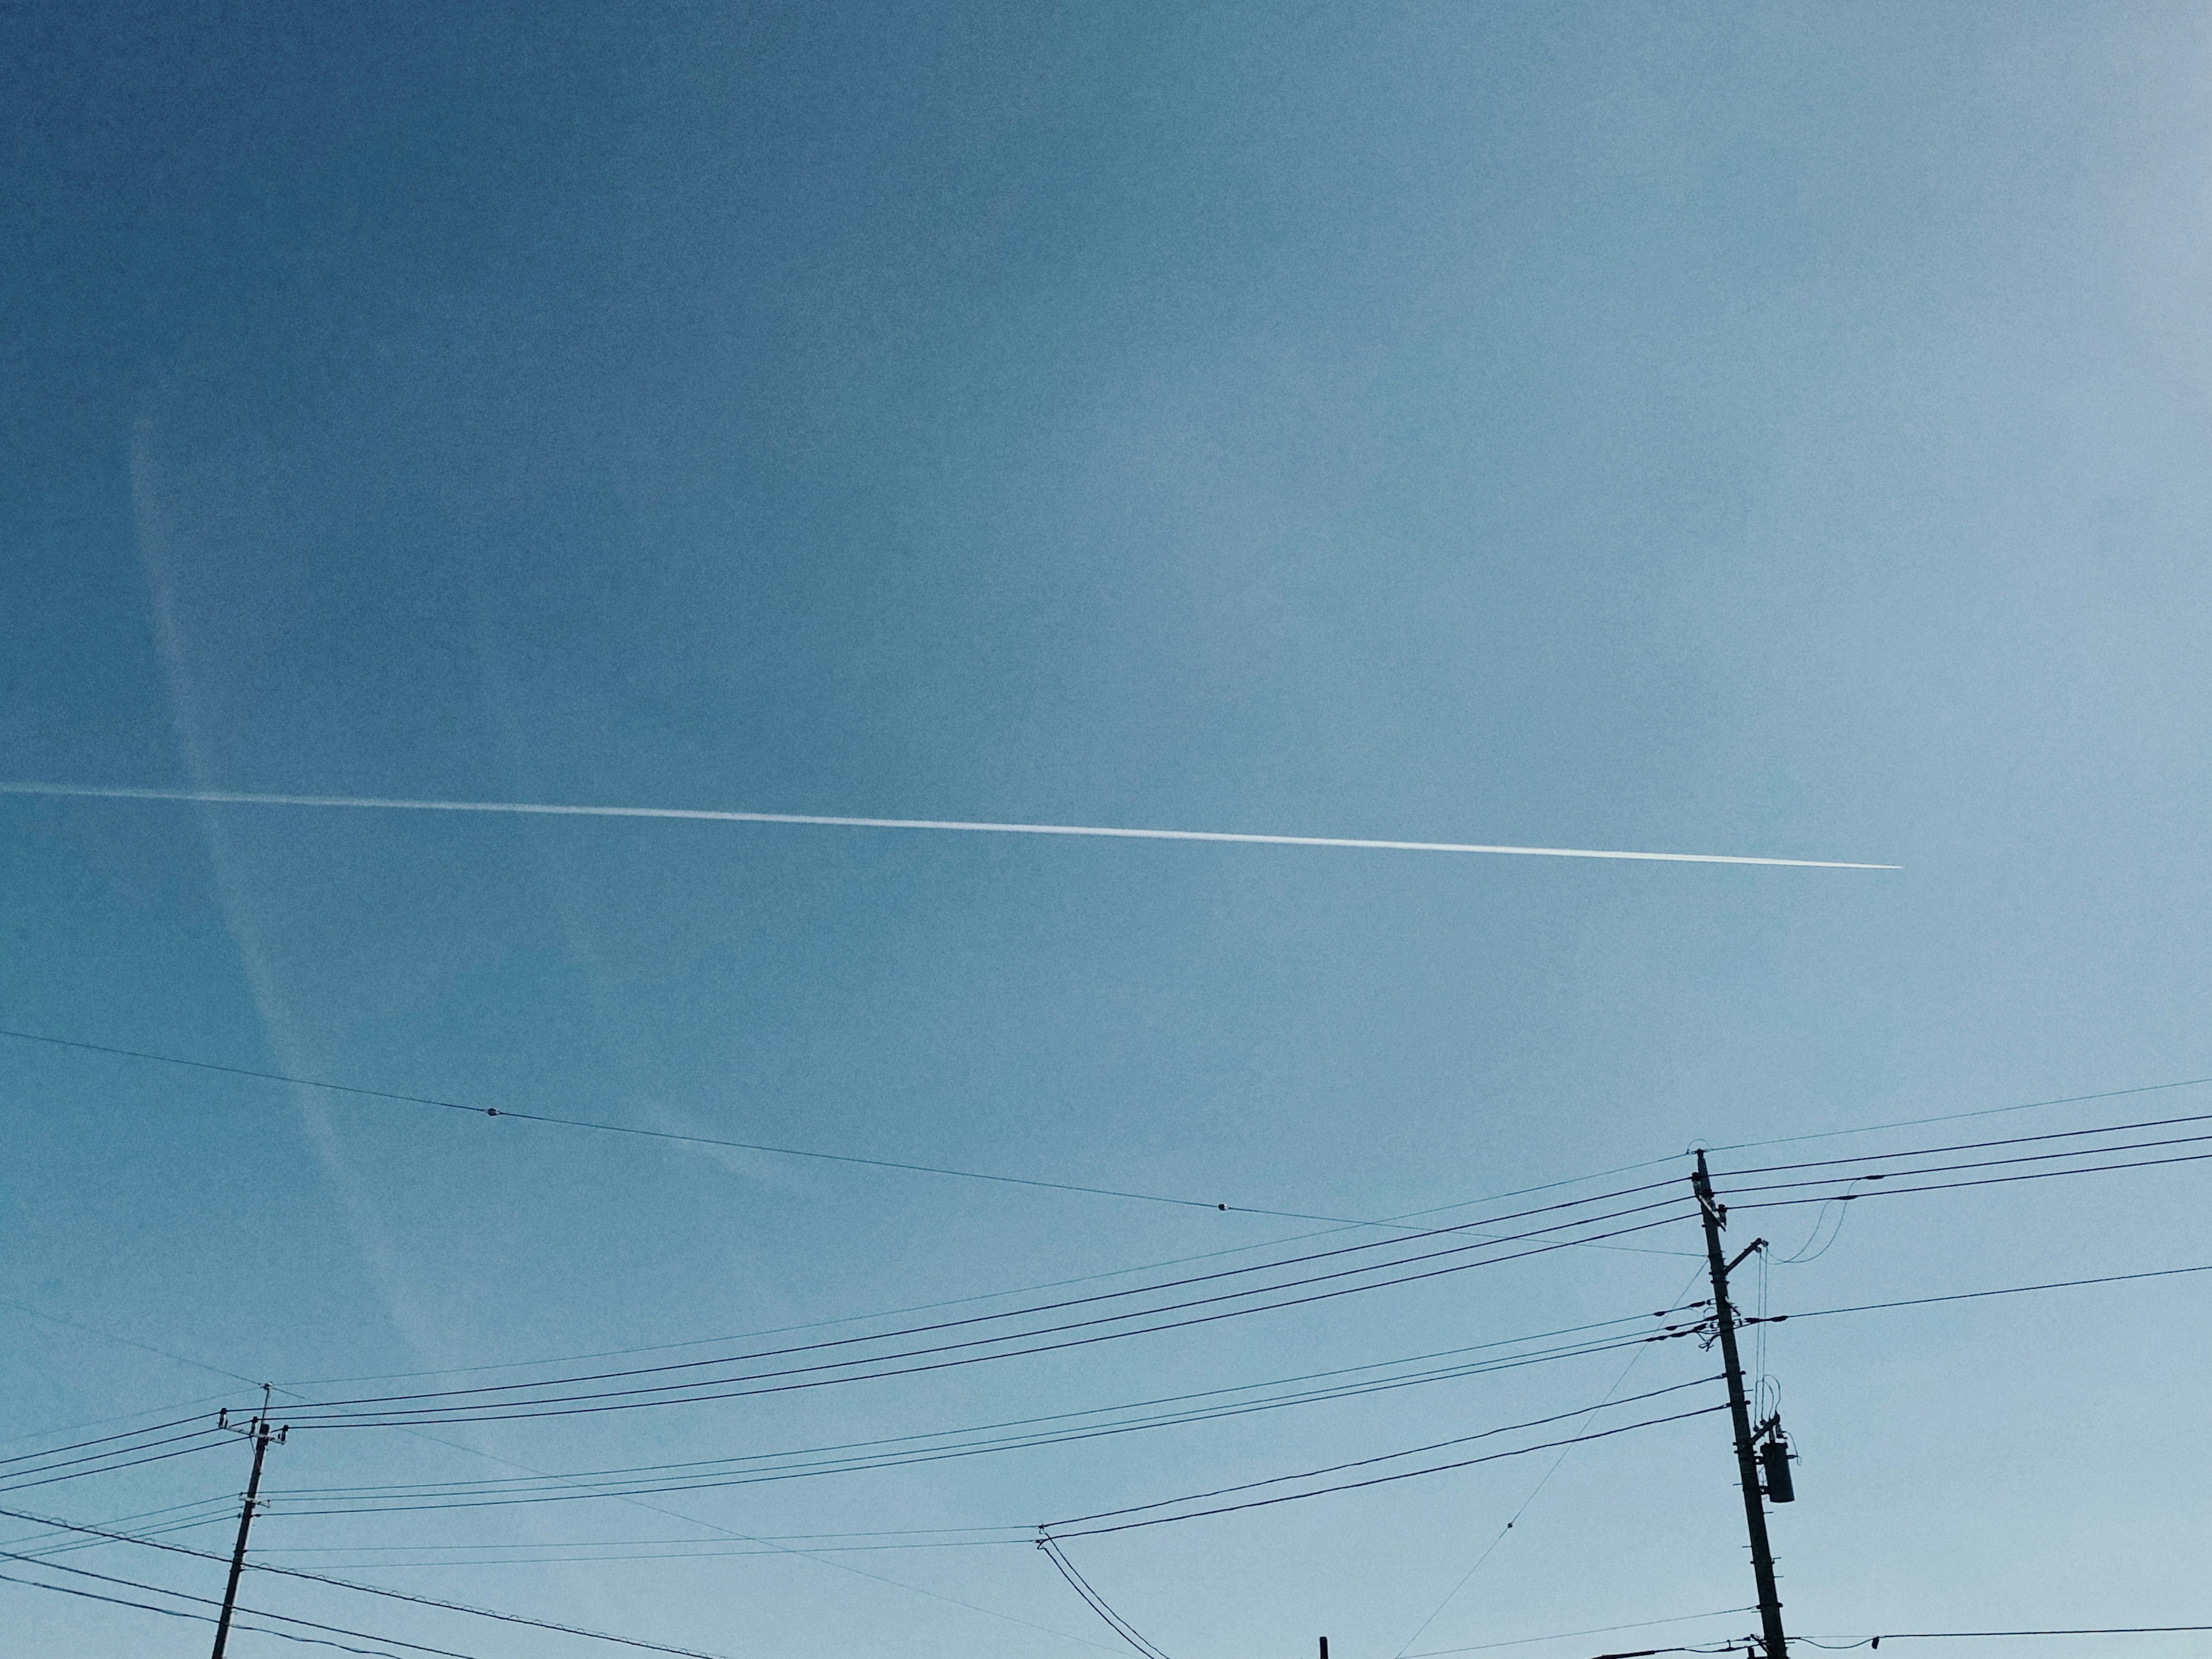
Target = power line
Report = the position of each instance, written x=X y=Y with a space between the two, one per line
x=988 y=1296
x=1960 y=1117
x=364 y=1590
x=1409 y=1474
x=1972 y=1295
x=257 y=1612
x=625 y=1399
x=1065 y=1304
x=112 y=1468
x=1973 y=1163
x=629 y=1129
x=1382 y=1457
x=1955 y=1185
x=1542 y=1481
x=572 y=1491
x=1097 y=1602
x=1593 y=1345
x=1562 y=1636
x=1962 y=1635
x=197 y=1617
x=106 y=1439
x=1979 y=1146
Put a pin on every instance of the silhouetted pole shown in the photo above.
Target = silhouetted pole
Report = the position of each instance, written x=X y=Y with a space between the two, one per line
x=1746 y=1459
x=262 y=1435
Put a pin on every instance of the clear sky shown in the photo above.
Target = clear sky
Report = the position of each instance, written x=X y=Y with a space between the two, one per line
x=1773 y=429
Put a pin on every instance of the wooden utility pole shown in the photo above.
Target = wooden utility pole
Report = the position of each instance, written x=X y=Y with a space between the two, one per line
x=1746 y=1456
x=262 y=1433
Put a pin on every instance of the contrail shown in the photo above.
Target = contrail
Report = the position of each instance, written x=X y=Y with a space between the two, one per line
x=239 y=798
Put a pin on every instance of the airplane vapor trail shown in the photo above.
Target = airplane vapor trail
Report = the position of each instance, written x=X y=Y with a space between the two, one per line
x=239 y=798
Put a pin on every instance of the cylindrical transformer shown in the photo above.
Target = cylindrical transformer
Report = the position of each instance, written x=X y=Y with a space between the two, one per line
x=1774 y=1461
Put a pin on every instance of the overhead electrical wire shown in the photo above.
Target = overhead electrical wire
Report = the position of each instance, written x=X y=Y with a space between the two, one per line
x=1962 y=1117
x=1979 y=1146
x=1065 y=1304
x=1973 y=1163
x=1581 y=1330
x=1097 y=1602
x=1562 y=1636
x=197 y=1617
x=1976 y=1296
x=1965 y=1635
x=104 y=1439
x=257 y=1612
x=111 y=1467
x=362 y=1590
x=1385 y=1479
x=1382 y=1457
x=398 y=1097
x=372 y=1501
x=1037 y=1310
x=692 y=1392
x=1956 y=1185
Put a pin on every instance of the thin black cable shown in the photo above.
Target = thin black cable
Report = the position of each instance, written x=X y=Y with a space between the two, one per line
x=1974 y=1295
x=110 y=1468
x=1536 y=1492
x=2101 y=1629
x=899 y=1461
x=1990 y=1180
x=514 y=1410
x=1408 y=1474
x=1098 y=1603
x=257 y=1612
x=1561 y=1636
x=101 y=1440
x=197 y=1617
x=1381 y=1457
x=364 y=1590
x=334 y=1406
x=1980 y=1146
x=1972 y=1164
x=628 y=1129
x=1960 y=1117
x=990 y=1296
x=1582 y=1330
x=114 y=1452
x=1062 y=1305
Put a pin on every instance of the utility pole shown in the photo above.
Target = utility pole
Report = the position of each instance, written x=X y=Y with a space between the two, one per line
x=1747 y=1454
x=258 y=1427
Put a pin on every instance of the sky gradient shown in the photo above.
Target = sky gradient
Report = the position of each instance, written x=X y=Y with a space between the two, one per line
x=1767 y=430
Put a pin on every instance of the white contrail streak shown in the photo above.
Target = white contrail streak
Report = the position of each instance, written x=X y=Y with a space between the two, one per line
x=236 y=798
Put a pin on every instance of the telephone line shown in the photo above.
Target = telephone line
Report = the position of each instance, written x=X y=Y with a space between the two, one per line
x=404 y=1400
x=364 y=1590
x=256 y=1612
x=571 y=1492
x=513 y=1411
x=1974 y=1295
x=197 y=1617
x=1622 y=1339
x=1409 y=1474
x=1979 y=1146
x=1956 y=1185
x=1974 y=1163
x=631 y=1129
x=1035 y=1309
x=1383 y=1457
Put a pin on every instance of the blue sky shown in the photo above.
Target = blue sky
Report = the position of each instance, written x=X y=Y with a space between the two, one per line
x=1751 y=429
